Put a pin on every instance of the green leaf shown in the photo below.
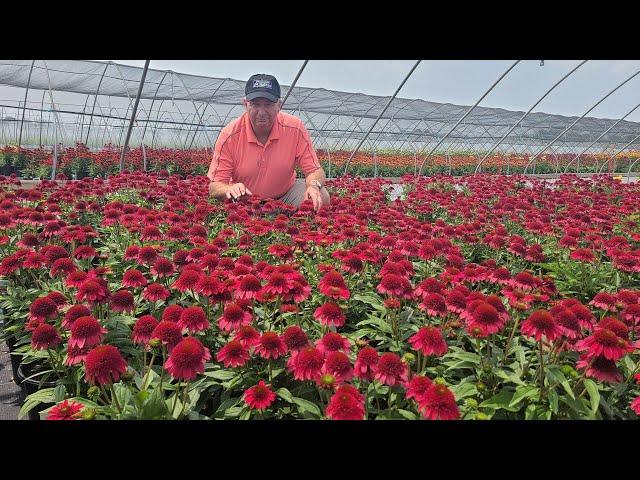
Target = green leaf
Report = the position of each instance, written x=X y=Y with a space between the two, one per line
x=41 y=396
x=500 y=401
x=285 y=395
x=59 y=392
x=226 y=405
x=553 y=401
x=221 y=374
x=555 y=375
x=371 y=300
x=466 y=356
x=407 y=414
x=594 y=395
x=463 y=390
x=155 y=407
x=307 y=406
x=522 y=392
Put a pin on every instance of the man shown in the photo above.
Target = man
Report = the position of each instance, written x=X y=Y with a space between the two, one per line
x=257 y=153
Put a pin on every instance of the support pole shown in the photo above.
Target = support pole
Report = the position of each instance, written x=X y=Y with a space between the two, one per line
x=295 y=80
x=25 y=104
x=380 y=116
x=133 y=114
x=466 y=114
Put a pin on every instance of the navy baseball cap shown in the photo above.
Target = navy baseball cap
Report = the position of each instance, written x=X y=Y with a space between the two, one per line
x=262 y=86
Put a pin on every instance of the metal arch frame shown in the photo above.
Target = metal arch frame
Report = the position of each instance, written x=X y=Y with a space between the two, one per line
x=467 y=113
x=567 y=75
x=95 y=100
x=601 y=135
x=332 y=116
x=144 y=132
x=192 y=101
x=56 y=119
x=133 y=113
x=24 y=107
x=620 y=151
x=346 y=167
x=607 y=159
x=426 y=119
x=577 y=120
x=195 y=132
x=392 y=119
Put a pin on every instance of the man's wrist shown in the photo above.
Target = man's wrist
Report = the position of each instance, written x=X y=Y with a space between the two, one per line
x=314 y=183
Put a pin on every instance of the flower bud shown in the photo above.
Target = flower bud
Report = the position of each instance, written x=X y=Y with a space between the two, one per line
x=440 y=381
x=408 y=357
x=127 y=376
x=481 y=387
x=88 y=413
x=471 y=403
x=155 y=342
x=361 y=343
x=93 y=391
x=481 y=416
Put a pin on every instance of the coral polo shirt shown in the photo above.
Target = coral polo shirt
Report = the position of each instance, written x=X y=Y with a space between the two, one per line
x=268 y=170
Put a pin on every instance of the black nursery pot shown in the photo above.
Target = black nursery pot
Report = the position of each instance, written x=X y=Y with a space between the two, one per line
x=15 y=359
x=32 y=385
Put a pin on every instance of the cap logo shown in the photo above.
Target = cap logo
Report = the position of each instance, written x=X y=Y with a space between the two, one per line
x=262 y=84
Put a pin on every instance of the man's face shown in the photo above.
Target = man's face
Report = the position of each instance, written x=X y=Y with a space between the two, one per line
x=262 y=113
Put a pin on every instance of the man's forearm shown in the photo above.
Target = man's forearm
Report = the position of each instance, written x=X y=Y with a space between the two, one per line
x=218 y=189
x=316 y=175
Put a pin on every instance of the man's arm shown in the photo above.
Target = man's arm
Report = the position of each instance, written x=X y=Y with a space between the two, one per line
x=317 y=175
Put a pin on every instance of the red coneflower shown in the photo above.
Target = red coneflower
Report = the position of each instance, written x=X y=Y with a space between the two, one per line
x=147 y=255
x=635 y=405
x=172 y=313
x=270 y=346
x=194 y=319
x=104 y=365
x=44 y=337
x=67 y=410
x=366 y=363
x=524 y=281
x=43 y=308
x=417 y=387
x=86 y=331
x=455 y=301
x=626 y=297
x=131 y=252
x=306 y=364
x=248 y=336
x=631 y=314
x=345 y=404
x=143 y=329
x=616 y=326
x=330 y=314
x=586 y=319
x=187 y=359
x=133 y=278
x=162 y=268
x=62 y=267
x=233 y=354
x=76 y=355
x=396 y=285
x=484 y=319
x=277 y=284
x=352 y=264
x=233 y=317
x=186 y=281
x=429 y=341
x=75 y=312
x=33 y=261
x=583 y=255
x=247 y=287
x=169 y=333
x=331 y=342
x=604 y=342
x=93 y=289
x=439 y=403
x=338 y=364
x=391 y=370
x=567 y=321
x=600 y=368
x=604 y=301
x=259 y=396
x=434 y=304
x=428 y=285
x=122 y=301
x=84 y=251
x=333 y=285
x=295 y=338
x=541 y=323
x=155 y=292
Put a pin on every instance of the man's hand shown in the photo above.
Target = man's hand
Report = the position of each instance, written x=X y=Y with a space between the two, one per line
x=237 y=190
x=313 y=193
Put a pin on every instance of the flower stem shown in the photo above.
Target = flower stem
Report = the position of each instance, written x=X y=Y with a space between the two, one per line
x=541 y=370
x=115 y=398
x=184 y=399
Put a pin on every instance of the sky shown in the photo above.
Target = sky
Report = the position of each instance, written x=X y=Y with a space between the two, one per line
x=460 y=82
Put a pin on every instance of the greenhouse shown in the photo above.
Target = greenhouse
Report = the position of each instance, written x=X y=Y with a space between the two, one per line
x=449 y=241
